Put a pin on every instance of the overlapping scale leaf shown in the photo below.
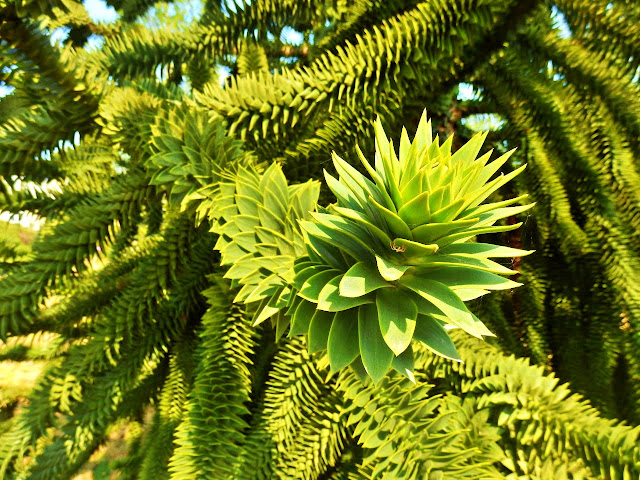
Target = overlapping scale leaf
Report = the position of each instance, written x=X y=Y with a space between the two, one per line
x=393 y=254
x=191 y=152
x=256 y=217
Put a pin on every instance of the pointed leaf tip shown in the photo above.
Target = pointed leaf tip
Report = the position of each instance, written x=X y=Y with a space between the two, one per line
x=389 y=270
x=360 y=280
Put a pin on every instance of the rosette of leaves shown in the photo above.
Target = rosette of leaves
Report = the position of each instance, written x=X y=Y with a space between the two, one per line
x=392 y=261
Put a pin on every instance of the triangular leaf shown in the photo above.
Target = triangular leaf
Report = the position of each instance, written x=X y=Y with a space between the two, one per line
x=484 y=250
x=430 y=232
x=443 y=298
x=390 y=271
x=413 y=250
x=342 y=346
x=431 y=332
x=319 y=330
x=314 y=285
x=361 y=279
x=461 y=277
x=416 y=212
x=302 y=318
x=330 y=299
x=404 y=364
x=376 y=355
x=397 y=316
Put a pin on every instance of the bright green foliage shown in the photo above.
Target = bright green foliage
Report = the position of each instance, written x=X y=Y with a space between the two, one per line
x=397 y=241
x=256 y=220
x=190 y=151
x=252 y=58
x=210 y=274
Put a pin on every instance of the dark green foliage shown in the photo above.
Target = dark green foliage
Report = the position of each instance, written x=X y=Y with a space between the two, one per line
x=213 y=426
x=196 y=264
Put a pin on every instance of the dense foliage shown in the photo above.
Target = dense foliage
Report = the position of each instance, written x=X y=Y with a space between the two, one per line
x=196 y=262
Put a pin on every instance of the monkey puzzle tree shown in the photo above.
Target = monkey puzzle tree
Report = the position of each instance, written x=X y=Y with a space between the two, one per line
x=292 y=314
